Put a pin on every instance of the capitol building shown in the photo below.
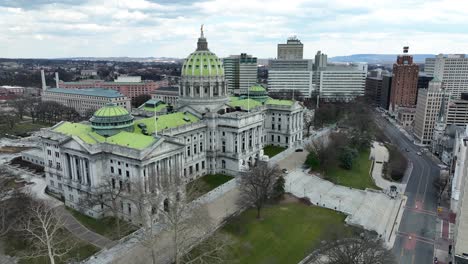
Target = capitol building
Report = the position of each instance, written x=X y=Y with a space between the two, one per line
x=209 y=132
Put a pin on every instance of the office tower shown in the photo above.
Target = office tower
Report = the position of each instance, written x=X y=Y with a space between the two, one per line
x=291 y=75
x=320 y=60
x=374 y=83
x=386 y=91
x=431 y=102
x=405 y=82
x=292 y=50
x=240 y=72
x=452 y=70
x=457 y=111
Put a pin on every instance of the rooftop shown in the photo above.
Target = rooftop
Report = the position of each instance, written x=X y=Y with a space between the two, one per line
x=279 y=102
x=111 y=110
x=245 y=104
x=123 y=138
x=101 y=92
x=167 y=88
x=165 y=121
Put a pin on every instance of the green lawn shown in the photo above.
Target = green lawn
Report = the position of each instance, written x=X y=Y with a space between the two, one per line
x=286 y=234
x=205 y=184
x=105 y=226
x=272 y=151
x=358 y=177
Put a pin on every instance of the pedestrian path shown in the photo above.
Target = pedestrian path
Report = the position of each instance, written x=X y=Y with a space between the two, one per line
x=77 y=229
x=380 y=156
x=372 y=210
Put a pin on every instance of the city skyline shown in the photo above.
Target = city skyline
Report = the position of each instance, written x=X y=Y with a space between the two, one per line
x=141 y=28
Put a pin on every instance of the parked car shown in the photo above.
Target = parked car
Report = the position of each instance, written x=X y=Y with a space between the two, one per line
x=407 y=150
x=299 y=150
x=419 y=153
x=285 y=171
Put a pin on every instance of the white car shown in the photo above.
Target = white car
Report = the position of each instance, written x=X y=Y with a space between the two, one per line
x=419 y=153
x=285 y=171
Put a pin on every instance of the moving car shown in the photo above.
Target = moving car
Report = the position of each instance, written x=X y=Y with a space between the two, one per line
x=419 y=153
x=285 y=171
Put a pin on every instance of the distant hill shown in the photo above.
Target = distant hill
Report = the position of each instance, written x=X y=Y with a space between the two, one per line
x=127 y=59
x=378 y=58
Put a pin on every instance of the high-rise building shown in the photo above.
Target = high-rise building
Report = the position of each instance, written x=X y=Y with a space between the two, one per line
x=240 y=72
x=341 y=82
x=291 y=75
x=292 y=50
x=405 y=82
x=374 y=83
x=452 y=70
x=457 y=111
x=431 y=103
x=321 y=60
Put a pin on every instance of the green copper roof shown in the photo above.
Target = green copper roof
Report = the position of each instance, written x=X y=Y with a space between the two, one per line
x=111 y=110
x=202 y=63
x=257 y=88
x=245 y=104
x=233 y=98
x=123 y=138
x=165 y=122
x=279 y=102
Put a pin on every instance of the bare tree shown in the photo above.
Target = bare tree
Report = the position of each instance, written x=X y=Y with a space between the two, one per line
x=308 y=121
x=215 y=250
x=44 y=227
x=353 y=251
x=324 y=151
x=107 y=194
x=256 y=186
x=187 y=223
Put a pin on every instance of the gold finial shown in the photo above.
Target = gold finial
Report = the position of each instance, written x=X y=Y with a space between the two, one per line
x=201 y=30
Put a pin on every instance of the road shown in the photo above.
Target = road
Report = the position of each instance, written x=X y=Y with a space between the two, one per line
x=417 y=231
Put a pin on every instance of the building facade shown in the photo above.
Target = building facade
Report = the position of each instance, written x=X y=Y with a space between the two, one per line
x=374 y=83
x=405 y=82
x=209 y=132
x=130 y=86
x=457 y=111
x=341 y=82
x=452 y=70
x=431 y=103
x=459 y=198
x=169 y=95
x=240 y=72
x=85 y=100
x=292 y=50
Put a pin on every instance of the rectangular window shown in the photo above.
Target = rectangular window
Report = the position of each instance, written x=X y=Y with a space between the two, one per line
x=70 y=197
x=279 y=139
x=113 y=183
x=127 y=173
x=194 y=149
x=190 y=170
x=49 y=152
x=58 y=166
x=272 y=138
x=279 y=127
x=57 y=155
x=203 y=165
x=60 y=186
x=120 y=171
x=52 y=183
x=273 y=126
x=112 y=169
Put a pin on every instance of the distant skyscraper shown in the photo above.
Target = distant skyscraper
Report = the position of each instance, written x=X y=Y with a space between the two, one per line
x=240 y=72
x=320 y=60
x=452 y=70
x=405 y=82
x=292 y=50
x=292 y=75
x=431 y=103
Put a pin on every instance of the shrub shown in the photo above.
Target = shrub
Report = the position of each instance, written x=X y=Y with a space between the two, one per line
x=347 y=156
x=312 y=161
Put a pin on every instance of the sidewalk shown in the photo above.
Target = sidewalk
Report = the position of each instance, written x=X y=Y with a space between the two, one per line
x=77 y=229
x=444 y=237
x=380 y=155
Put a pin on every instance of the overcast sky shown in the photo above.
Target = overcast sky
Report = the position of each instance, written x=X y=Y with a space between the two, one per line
x=169 y=28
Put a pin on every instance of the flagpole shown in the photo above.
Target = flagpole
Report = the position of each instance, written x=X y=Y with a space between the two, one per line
x=155 y=123
x=248 y=96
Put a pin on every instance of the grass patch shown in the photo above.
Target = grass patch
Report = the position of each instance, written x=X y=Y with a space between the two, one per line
x=21 y=129
x=272 y=151
x=105 y=226
x=287 y=233
x=205 y=184
x=358 y=177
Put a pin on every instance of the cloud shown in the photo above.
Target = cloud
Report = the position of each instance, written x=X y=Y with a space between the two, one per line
x=70 y=28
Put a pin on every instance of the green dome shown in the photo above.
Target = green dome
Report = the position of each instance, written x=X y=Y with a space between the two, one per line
x=257 y=88
x=111 y=119
x=111 y=110
x=202 y=63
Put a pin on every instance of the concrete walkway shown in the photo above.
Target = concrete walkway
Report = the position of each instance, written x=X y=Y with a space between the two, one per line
x=83 y=233
x=372 y=210
x=380 y=155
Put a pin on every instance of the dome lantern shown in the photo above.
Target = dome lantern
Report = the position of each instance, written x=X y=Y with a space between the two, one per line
x=111 y=119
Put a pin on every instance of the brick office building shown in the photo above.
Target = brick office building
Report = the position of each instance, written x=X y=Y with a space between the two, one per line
x=404 y=82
